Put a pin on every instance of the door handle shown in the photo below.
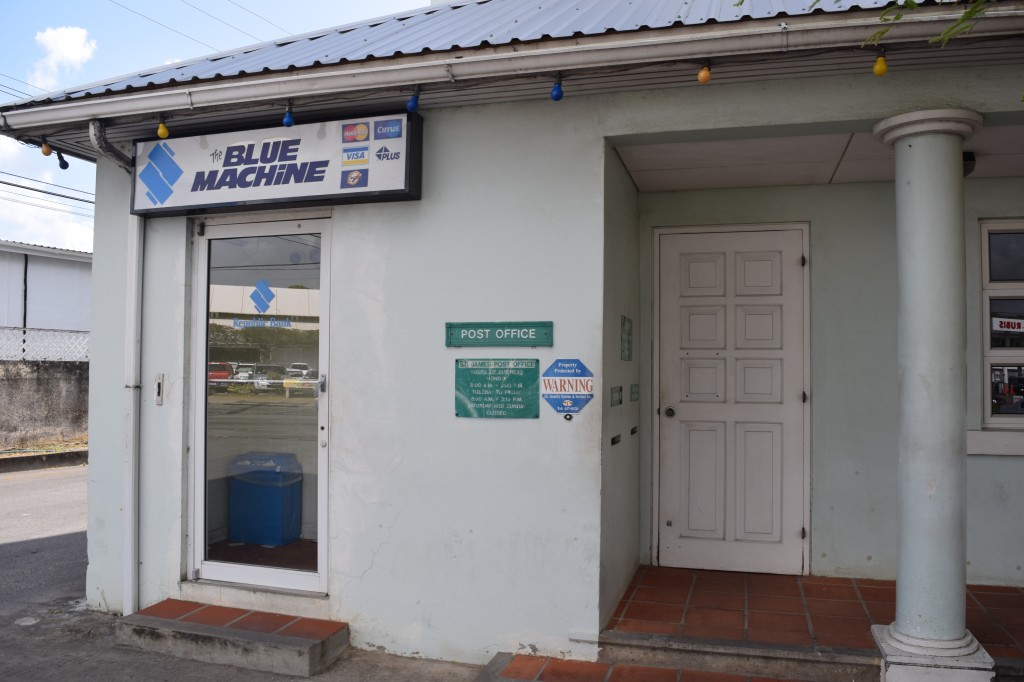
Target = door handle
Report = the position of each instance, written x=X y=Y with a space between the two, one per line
x=322 y=386
x=670 y=412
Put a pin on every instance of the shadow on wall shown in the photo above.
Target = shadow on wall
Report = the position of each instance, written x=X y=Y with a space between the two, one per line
x=43 y=404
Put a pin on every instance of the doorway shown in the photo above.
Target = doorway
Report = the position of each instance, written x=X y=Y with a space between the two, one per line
x=732 y=412
x=260 y=382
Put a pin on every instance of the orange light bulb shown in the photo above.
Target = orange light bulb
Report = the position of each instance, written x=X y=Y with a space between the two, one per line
x=880 y=68
x=704 y=75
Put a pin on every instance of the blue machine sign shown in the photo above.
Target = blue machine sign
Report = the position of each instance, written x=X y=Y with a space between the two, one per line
x=568 y=386
x=369 y=159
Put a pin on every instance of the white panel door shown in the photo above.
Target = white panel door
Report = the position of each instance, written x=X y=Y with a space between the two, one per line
x=732 y=494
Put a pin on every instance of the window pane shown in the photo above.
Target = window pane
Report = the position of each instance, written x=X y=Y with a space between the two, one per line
x=1007 y=322
x=263 y=342
x=1007 y=389
x=1006 y=256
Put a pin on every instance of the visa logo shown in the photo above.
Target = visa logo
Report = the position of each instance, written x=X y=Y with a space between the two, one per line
x=355 y=156
x=387 y=130
x=385 y=154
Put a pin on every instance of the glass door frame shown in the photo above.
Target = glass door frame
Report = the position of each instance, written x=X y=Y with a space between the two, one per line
x=228 y=227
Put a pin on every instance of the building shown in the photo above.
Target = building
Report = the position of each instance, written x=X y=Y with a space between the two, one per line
x=578 y=311
x=45 y=302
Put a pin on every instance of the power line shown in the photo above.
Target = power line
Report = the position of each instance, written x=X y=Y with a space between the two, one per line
x=24 y=82
x=11 y=92
x=47 y=201
x=166 y=26
x=17 y=90
x=46 y=191
x=49 y=208
x=43 y=182
x=260 y=17
x=221 y=21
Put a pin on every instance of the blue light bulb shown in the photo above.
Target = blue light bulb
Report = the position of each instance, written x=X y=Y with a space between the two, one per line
x=288 y=121
x=413 y=104
x=556 y=92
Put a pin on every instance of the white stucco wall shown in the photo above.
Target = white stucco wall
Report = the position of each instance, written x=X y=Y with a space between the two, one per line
x=106 y=390
x=620 y=462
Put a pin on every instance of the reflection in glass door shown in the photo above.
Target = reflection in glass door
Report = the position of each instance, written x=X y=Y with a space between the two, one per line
x=261 y=446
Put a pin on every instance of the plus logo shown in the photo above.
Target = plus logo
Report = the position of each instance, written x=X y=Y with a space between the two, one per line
x=385 y=154
x=262 y=296
x=160 y=174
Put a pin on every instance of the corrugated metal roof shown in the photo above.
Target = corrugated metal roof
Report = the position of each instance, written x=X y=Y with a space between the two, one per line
x=457 y=25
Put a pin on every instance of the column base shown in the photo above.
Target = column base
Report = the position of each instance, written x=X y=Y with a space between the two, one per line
x=940 y=664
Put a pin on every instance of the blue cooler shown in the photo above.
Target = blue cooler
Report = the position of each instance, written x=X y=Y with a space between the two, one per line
x=265 y=498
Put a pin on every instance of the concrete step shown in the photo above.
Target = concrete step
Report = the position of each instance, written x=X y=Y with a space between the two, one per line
x=256 y=640
x=775 y=661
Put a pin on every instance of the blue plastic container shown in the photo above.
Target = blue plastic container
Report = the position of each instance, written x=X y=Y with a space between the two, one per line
x=265 y=499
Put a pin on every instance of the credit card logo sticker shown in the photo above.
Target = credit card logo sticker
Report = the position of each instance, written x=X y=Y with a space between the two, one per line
x=355 y=132
x=356 y=156
x=354 y=178
x=387 y=130
x=385 y=154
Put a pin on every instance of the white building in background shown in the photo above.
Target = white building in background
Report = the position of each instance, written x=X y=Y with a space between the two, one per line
x=45 y=302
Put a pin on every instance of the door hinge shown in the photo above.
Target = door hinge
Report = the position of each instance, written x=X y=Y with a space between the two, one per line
x=803 y=397
x=201 y=229
x=803 y=533
x=803 y=261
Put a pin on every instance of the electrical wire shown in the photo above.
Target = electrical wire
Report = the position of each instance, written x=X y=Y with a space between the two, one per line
x=32 y=85
x=44 y=182
x=49 y=208
x=195 y=40
x=46 y=201
x=46 y=191
x=221 y=21
x=260 y=17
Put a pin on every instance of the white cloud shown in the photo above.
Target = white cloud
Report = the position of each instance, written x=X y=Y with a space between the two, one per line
x=67 y=49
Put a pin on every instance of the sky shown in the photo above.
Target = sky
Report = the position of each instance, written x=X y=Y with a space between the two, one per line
x=50 y=45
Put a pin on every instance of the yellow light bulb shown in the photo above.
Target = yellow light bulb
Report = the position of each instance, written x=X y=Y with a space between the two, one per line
x=704 y=76
x=162 y=131
x=46 y=149
x=880 y=68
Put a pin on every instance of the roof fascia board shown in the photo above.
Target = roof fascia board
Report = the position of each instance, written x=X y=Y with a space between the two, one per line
x=45 y=251
x=561 y=56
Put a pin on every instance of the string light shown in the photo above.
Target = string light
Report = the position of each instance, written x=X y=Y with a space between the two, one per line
x=413 y=105
x=881 y=67
x=61 y=161
x=556 y=91
x=162 y=131
x=289 y=119
x=45 y=148
x=704 y=75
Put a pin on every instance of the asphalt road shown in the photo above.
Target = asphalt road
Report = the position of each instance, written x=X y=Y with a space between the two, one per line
x=47 y=635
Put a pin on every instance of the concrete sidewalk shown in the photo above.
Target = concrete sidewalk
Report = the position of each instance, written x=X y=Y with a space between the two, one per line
x=11 y=461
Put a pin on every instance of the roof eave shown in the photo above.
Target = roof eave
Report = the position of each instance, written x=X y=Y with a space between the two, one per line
x=552 y=56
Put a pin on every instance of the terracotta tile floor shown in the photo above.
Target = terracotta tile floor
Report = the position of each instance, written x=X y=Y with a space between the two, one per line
x=544 y=669
x=242 y=619
x=803 y=611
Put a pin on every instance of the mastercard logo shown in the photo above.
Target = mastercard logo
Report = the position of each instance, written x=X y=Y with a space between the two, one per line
x=355 y=132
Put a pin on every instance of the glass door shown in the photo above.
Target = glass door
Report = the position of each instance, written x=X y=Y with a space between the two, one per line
x=261 y=428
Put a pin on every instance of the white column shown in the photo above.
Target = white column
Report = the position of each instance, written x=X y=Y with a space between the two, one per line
x=931 y=585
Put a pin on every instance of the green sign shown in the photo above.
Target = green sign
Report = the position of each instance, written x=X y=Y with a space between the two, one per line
x=530 y=334
x=497 y=389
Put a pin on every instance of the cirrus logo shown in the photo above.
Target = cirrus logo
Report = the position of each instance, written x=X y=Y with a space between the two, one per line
x=387 y=130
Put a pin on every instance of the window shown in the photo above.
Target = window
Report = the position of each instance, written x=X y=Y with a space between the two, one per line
x=1003 y=298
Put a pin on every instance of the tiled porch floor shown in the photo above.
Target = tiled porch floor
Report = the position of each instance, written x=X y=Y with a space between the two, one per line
x=802 y=611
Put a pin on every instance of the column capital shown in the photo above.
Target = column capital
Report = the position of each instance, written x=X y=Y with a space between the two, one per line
x=962 y=122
